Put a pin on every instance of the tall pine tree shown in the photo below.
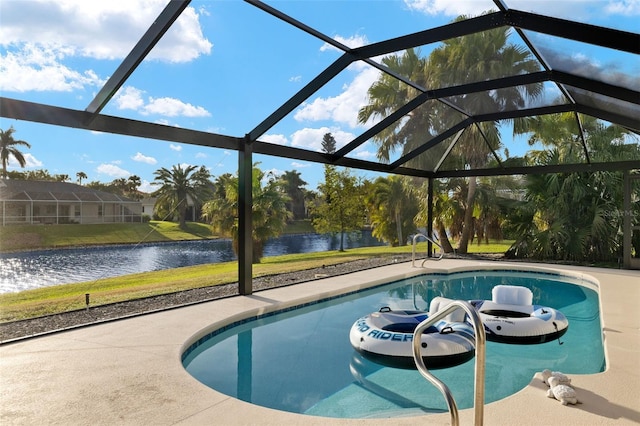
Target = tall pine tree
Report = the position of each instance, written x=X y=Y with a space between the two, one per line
x=341 y=208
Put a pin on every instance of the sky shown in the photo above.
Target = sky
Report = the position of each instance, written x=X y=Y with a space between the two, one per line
x=223 y=67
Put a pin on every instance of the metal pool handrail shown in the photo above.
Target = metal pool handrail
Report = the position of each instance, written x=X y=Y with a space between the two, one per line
x=480 y=335
x=413 y=250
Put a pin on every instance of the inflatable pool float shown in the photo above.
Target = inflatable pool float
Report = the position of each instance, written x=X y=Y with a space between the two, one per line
x=511 y=317
x=386 y=337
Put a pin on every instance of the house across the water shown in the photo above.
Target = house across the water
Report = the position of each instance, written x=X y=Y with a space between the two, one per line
x=34 y=202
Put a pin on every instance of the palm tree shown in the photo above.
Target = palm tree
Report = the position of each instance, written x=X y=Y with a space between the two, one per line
x=8 y=149
x=133 y=183
x=293 y=184
x=392 y=207
x=572 y=216
x=221 y=211
x=494 y=199
x=80 y=176
x=269 y=210
x=447 y=210
x=475 y=57
x=388 y=94
x=120 y=185
x=179 y=186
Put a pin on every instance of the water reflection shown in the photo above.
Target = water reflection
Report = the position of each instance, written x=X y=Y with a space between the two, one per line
x=34 y=269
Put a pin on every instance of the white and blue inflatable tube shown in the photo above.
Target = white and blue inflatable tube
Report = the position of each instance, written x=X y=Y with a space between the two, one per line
x=386 y=337
x=510 y=317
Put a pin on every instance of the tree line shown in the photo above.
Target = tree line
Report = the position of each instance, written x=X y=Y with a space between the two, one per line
x=562 y=216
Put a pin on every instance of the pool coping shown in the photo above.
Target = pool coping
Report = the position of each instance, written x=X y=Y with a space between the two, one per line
x=129 y=371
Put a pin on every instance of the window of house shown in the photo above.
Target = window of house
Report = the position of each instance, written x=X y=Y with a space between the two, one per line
x=17 y=209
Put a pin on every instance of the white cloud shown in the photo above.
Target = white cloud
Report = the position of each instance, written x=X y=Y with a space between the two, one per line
x=129 y=98
x=352 y=42
x=38 y=69
x=112 y=170
x=141 y=158
x=311 y=139
x=365 y=155
x=171 y=107
x=300 y=165
x=100 y=30
x=344 y=107
x=570 y=9
x=296 y=79
x=276 y=139
x=30 y=162
x=132 y=98
x=448 y=7
x=184 y=41
x=624 y=7
x=201 y=155
x=147 y=186
x=177 y=148
x=318 y=109
x=42 y=37
x=563 y=9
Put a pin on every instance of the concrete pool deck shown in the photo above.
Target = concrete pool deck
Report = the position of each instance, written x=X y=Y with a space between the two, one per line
x=128 y=372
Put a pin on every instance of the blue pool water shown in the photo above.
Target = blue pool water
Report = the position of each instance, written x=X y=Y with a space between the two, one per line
x=301 y=360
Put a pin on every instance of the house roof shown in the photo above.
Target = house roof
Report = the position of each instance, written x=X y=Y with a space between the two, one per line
x=33 y=190
x=601 y=90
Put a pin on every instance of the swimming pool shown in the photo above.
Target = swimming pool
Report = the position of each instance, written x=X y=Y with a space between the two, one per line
x=301 y=360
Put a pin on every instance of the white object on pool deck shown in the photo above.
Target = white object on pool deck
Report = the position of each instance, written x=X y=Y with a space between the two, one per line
x=562 y=378
x=386 y=337
x=511 y=317
x=563 y=393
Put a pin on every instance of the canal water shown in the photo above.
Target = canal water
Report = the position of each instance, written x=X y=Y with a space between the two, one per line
x=35 y=269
